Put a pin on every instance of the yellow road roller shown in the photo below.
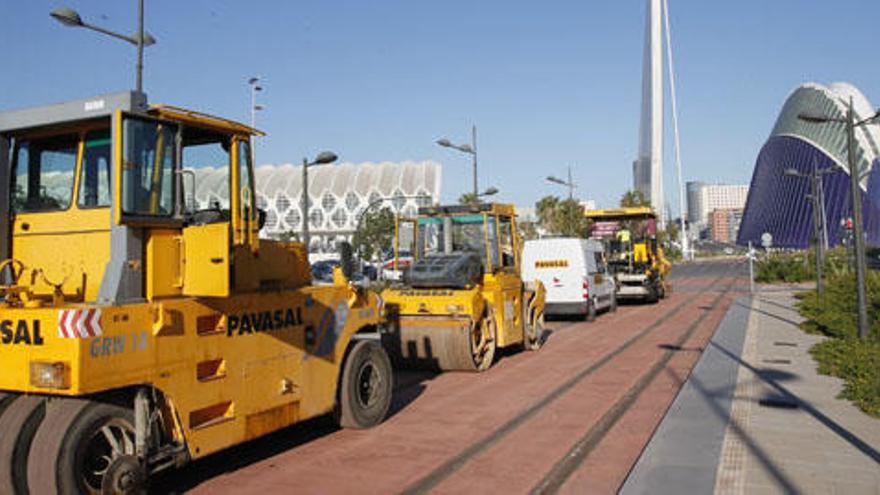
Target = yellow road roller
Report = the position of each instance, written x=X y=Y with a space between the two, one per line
x=462 y=297
x=139 y=331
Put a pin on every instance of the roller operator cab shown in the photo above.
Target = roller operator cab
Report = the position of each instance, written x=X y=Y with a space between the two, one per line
x=633 y=253
x=139 y=331
x=463 y=296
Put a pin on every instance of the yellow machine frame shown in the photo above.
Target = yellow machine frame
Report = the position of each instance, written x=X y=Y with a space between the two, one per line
x=642 y=253
x=500 y=311
x=222 y=330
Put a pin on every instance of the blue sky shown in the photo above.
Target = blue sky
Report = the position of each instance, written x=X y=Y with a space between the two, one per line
x=549 y=84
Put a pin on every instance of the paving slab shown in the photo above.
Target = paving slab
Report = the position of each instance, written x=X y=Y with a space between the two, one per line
x=683 y=454
x=755 y=417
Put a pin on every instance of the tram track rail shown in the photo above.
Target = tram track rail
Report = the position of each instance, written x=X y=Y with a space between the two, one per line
x=578 y=453
x=455 y=464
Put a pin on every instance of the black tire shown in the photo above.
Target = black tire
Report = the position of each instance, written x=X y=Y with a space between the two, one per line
x=63 y=458
x=591 y=310
x=366 y=386
x=652 y=296
x=5 y=400
x=533 y=334
x=18 y=425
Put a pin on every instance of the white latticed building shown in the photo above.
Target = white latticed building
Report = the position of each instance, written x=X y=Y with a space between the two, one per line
x=338 y=194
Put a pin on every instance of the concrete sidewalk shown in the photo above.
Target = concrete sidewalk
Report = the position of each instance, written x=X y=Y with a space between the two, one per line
x=755 y=417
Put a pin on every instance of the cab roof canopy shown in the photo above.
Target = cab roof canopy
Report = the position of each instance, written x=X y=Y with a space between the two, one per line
x=491 y=208
x=72 y=111
x=104 y=106
x=626 y=213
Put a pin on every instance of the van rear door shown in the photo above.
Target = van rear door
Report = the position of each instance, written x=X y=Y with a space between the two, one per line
x=560 y=265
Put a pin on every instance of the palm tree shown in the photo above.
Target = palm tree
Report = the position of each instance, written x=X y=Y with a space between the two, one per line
x=468 y=199
x=546 y=211
x=634 y=198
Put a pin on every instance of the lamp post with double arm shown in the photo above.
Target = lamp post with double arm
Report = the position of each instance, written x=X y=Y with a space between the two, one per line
x=470 y=149
x=855 y=191
x=71 y=18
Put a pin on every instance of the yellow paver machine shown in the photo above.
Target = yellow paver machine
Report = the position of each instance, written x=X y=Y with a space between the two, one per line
x=634 y=255
x=462 y=298
x=137 y=332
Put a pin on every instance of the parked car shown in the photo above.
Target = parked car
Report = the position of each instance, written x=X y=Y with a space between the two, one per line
x=405 y=259
x=872 y=258
x=322 y=271
x=574 y=275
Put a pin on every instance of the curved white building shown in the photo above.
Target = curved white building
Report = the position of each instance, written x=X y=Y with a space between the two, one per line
x=777 y=203
x=338 y=194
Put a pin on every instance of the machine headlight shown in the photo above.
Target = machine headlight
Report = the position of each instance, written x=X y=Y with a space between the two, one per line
x=50 y=375
x=455 y=308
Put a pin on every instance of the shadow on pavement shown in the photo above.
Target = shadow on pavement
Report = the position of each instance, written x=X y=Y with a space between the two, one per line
x=777 y=304
x=768 y=314
x=723 y=414
x=773 y=377
x=409 y=386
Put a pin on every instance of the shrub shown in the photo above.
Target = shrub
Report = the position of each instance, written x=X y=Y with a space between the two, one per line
x=858 y=364
x=784 y=267
x=844 y=355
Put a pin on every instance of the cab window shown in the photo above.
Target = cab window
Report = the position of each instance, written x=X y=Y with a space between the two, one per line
x=94 y=181
x=43 y=171
x=505 y=227
x=491 y=222
x=245 y=181
x=148 y=168
x=207 y=155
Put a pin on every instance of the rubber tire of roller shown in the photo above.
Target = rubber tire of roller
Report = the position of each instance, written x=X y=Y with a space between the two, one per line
x=539 y=329
x=18 y=426
x=68 y=422
x=353 y=414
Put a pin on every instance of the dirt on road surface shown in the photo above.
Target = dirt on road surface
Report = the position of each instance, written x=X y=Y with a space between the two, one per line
x=571 y=418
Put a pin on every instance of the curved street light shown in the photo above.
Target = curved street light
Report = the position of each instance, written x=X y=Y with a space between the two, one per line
x=569 y=183
x=71 y=18
x=470 y=149
x=324 y=158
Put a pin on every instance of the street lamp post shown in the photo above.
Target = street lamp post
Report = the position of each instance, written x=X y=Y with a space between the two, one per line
x=855 y=176
x=254 y=83
x=569 y=183
x=71 y=18
x=470 y=149
x=323 y=158
x=819 y=228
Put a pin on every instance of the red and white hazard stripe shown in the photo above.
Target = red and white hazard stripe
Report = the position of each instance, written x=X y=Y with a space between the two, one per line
x=79 y=323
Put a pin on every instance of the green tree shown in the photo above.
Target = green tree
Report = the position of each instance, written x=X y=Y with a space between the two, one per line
x=545 y=209
x=561 y=217
x=570 y=220
x=375 y=233
x=634 y=198
x=527 y=230
x=468 y=199
x=289 y=236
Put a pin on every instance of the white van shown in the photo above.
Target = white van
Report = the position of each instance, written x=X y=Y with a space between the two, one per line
x=574 y=274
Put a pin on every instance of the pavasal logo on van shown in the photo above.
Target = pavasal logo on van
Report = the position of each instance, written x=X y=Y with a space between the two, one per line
x=551 y=264
x=21 y=332
x=265 y=321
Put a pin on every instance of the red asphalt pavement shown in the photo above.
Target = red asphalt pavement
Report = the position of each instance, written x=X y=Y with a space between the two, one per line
x=602 y=387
